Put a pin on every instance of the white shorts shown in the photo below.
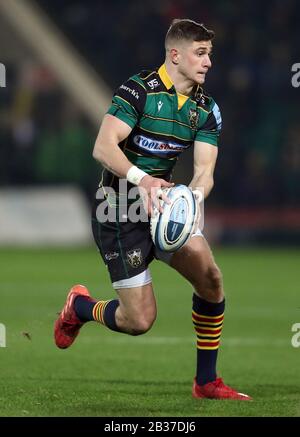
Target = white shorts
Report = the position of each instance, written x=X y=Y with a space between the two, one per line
x=139 y=280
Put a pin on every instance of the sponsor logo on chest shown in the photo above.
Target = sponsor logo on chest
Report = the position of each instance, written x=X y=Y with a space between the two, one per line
x=152 y=145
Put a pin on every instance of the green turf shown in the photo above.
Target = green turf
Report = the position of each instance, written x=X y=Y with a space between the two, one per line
x=111 y=374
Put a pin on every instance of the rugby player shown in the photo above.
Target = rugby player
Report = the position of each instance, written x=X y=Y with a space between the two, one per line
x=154 y=117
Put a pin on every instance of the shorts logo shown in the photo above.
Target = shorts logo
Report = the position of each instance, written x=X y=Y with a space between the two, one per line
x=193 y=117
x=134 y=257
x=111 y=255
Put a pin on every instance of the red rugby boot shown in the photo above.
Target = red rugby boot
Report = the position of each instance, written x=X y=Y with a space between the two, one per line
x=217 y=390
x=67 y=326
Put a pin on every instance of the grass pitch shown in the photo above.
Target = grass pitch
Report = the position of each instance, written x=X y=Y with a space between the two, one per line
x=110 y=374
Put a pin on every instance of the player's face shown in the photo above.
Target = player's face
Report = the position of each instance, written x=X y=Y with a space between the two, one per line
x=194 y=60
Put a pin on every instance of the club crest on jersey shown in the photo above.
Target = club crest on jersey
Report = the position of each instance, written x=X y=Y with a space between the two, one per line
x=193 y=117
x=134 y=257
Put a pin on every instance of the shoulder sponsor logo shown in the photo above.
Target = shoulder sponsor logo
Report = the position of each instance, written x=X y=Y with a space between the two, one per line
x=153 y=83
x=130 y=91
x=152 y=145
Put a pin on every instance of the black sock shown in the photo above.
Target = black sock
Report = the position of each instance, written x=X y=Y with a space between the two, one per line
x=84 y=308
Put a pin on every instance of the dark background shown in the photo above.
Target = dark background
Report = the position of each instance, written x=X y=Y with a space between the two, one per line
x=46 y=139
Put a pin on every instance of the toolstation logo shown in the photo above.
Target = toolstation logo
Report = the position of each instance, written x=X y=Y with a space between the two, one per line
x=157 y=146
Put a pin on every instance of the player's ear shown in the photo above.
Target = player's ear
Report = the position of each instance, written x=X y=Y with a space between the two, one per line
x=174 y=56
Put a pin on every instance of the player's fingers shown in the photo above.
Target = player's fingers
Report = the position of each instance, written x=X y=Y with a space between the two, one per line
x=146 y=203
x=165 y=198
x=167 y=184
x=161 y=195
x=155 y=199
x=148 y=208
x=158 y=206
x=152 y=210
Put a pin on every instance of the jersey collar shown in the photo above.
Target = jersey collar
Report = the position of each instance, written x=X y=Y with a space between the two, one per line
x=168 y=83
x=165 y=78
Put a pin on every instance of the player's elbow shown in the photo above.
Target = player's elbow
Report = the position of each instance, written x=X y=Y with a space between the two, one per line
x=98 y=152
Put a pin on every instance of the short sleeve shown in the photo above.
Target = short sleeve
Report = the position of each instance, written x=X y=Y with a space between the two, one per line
x=129 y=101
x=210 y=131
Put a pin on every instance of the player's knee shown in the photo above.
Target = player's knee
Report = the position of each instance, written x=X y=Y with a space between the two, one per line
x=141 y=325
x=214 y=279
x=211 y=285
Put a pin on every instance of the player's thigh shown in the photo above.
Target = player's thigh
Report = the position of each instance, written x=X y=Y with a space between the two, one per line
x=196 y=263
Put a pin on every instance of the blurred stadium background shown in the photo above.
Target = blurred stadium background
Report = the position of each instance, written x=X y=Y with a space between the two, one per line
x=63 y=60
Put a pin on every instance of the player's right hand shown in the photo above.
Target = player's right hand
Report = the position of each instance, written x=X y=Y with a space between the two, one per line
x=151 y=192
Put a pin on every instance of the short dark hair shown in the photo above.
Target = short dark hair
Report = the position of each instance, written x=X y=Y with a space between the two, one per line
x=189 y=30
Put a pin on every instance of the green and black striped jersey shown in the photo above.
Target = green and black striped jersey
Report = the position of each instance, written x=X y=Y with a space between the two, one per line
x=164 y=123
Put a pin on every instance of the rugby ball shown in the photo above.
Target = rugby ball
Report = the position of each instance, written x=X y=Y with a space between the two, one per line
x=171 y=229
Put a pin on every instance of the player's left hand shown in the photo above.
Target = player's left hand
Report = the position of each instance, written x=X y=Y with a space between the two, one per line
x=151 y=190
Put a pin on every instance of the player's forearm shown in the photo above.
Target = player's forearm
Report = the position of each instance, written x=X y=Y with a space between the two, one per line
x=112 y=158
x=203 y=182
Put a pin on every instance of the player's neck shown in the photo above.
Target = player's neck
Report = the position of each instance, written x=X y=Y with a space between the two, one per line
x=182 y=84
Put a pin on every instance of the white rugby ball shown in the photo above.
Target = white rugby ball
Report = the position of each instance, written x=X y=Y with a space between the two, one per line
x=171 y=229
